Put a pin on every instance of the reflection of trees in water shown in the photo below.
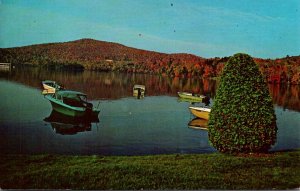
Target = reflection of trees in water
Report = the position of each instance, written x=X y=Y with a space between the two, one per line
x=286 y=96
x=112 y=85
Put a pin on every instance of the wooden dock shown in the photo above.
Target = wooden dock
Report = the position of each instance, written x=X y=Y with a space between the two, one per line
x=5 y=66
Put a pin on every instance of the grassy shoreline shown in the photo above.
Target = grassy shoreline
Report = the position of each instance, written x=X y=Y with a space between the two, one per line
x=278 y=170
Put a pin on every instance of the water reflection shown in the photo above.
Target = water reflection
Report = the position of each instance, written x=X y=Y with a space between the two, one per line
x=101 y=85
x=286 y=96
x=67 y=125
x=198 y=123
x=153 y=125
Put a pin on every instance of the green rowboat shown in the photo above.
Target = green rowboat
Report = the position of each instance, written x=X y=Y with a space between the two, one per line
x=71 y=103
x=192 y=96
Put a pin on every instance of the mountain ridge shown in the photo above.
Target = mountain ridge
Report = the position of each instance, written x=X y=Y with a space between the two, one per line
x=90 y=40
x=100 y=55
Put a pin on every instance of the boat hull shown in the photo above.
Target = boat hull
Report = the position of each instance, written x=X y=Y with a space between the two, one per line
x=74 y=112
x=70 y=110
x=190 y=96
x=200 y=112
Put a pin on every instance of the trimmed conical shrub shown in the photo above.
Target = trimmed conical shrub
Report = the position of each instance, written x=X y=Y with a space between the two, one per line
x=242 y=119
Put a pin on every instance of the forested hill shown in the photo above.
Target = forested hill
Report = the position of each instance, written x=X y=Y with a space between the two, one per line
x=107 y=56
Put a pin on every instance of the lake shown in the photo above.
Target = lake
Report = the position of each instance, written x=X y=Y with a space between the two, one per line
x=156 y=124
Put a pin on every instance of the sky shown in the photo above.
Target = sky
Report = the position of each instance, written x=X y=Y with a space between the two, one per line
x=206 y=28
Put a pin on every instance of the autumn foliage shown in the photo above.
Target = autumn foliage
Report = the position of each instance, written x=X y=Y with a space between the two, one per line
x=107 y=56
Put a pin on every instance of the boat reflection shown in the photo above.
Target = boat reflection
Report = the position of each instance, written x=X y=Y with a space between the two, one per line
x=115 y=85
x=66 y=125
x=198 y=123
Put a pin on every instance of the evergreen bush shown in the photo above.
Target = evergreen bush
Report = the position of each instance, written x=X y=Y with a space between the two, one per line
x=242 y=119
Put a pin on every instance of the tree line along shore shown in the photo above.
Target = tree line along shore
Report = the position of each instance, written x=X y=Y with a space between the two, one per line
x=97 y=55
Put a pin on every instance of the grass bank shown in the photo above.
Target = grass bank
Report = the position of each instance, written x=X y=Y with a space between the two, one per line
x=279 y=170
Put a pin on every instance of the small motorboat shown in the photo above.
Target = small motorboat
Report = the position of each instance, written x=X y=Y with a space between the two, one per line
x=50 y=87
x=139 y=91
x=72 y=103
x=201 y=112
x=198 y=123
x=192 y=96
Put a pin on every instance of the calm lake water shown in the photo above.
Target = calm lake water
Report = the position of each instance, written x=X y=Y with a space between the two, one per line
x=156 y=124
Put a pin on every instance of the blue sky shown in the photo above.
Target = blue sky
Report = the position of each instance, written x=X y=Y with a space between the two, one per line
x=207 y=28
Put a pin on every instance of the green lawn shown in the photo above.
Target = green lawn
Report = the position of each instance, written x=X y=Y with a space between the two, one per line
x=279 y=170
